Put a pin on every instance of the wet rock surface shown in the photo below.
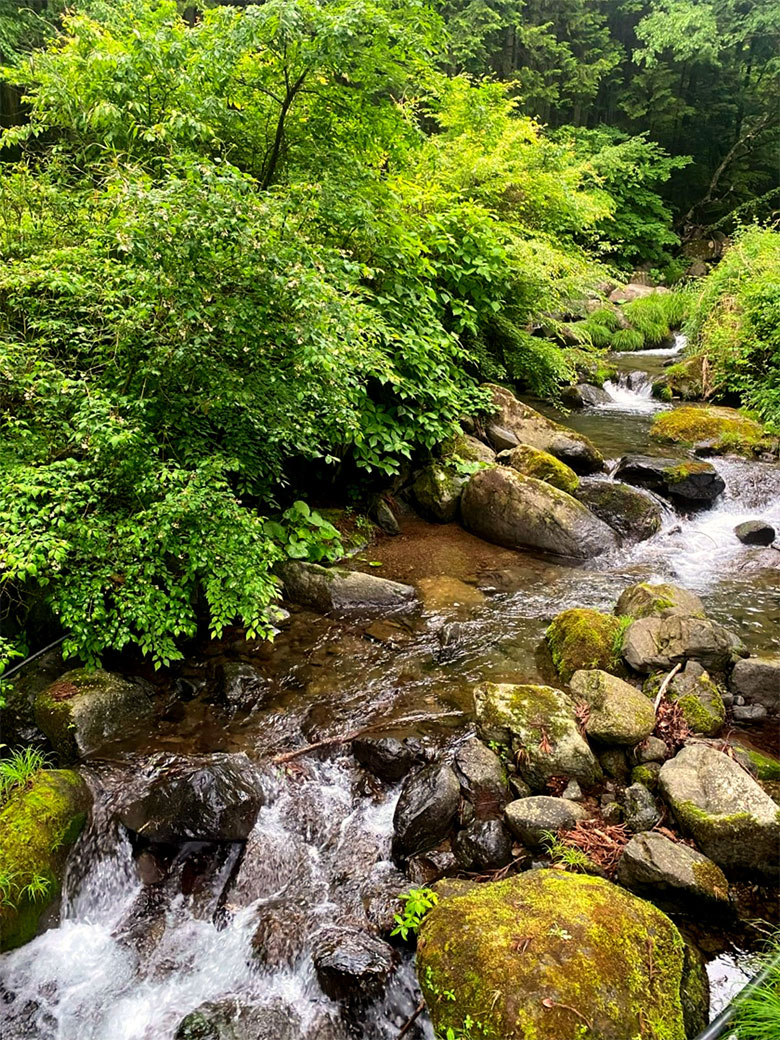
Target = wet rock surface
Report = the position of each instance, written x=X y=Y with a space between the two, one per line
x=654 y=643
x=388 y=757
x=631 y=512
x=426 y=808
x=688 y=483
x=335 y=589
x=483 y=845
x=755 y=532
x=351 y=964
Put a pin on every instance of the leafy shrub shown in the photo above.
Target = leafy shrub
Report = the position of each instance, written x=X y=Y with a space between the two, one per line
x=417 y=903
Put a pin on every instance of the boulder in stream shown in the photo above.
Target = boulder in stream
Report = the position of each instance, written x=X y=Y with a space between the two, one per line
x=436 y=491
x=690 y=484
x=230 y=1019
x=205 y=798
x=581 y=638
x=618 y=713
x=86 y=709
x=712 y=431
x=538 y=725
x=755 y=532
x=350 y=963
x=666 y=871
x=482 y=777
x=387 y=757
x=632 y=513
x=533 y=462
x=663 y=600
x=517 y=423
x=520 y=512
x=426 y=809
x=731 y=818
x=584 y=395
x=658 y=643
x=757 y=679
x=545 y=951
x=483 y=845
x=38 y=825
x=338 y=590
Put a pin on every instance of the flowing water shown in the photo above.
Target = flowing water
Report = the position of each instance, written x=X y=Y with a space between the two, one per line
x=140 y=945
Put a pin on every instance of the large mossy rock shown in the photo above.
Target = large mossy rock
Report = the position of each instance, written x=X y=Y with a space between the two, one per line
x=436 y=491
x=516 y=423
x=341 y=591
x=503 y=507
x=85 y=710
x=539 y=955
x=38 y=825
x=662 y=600
x=689 y=484
x=657 y=644
x=684 y=380
x=538 y=725
x=670 y=873
x=714 y=430
x=582 y=638
x=617 y=712
x=631 y=512
x=731 y=818
x=532 y=462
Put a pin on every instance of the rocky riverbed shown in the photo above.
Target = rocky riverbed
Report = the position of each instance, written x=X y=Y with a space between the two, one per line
x=552 y=698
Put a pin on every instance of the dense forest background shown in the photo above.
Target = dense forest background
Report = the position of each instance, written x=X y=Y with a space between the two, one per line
x=249 y=253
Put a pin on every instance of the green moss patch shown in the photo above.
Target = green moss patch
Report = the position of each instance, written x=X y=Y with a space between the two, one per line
x=720 y=429
x=533 y=462
x=583 y=639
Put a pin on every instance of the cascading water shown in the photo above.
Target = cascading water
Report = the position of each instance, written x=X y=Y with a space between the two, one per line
x=632 y=392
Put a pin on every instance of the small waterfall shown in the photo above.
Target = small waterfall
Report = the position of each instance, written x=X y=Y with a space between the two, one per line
x=632 y=392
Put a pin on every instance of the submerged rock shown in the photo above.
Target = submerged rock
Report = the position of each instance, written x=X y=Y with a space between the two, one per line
x=519 y=512
x=436 y=491
x=425 y=810
x=757 y=679
x=664 y=600
x=85 y=710
x=631 y=512
x=618 y=713
x=667 y=871
x=755 y=532
x=533 y=462
x=209 y=798
x=721 y=806
x=544 y=951
x=524 y=425
x=242 y=686
x=342 y=591
x=538 y=725
x=582 y=638
x=656 y=644
x=689 y=484
x=38 y=825
x=531 y=818
x=230 y=1019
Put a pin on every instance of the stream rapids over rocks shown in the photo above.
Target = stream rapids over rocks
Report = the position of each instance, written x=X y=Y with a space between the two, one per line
x=151 y=928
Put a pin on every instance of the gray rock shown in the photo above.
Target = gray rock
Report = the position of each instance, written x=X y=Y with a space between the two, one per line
x=618 y=713
x=639 y=808
x=483 y=845
x=631 y=512
x=538 y=725
x=242 y=686
x=385 y=517
x=749 y=713
x=584 y=395
x=721 y=806
x=699 y=698
x=436 y=491
x=652 y=749
x=388 y=758
x=341 y=591
x=572 y=791
x=613 y=762
x=663 y=870
x=664 y=600
x=427 y=806
x=229 y=1019
x=530 y=818
x=657 y=644
x=688 y=483
x=482 y=778
x=517 y=423
x=84 y=711
x=350 y=963
x=504 y=507
x=755 y=532
x=205 y=798
x=757 y=679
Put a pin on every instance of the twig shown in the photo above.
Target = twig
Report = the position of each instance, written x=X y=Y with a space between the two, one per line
x=411 y=1019
x=288 y=756
x=664 y=686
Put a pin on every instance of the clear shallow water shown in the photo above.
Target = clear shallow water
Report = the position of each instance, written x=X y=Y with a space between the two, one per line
x=130 y=959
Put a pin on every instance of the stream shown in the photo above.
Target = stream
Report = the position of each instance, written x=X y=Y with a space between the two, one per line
x=129 y=958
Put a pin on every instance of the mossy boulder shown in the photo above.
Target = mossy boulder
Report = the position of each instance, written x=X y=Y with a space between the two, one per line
x=38 y=825
x=762 y=766
x=436 y=491
x=718 y=803
x=699 y=699
x=658 y=643
x=632 y=513
x=691 y=484
x=548 y=955
x=662 y=600
x=617 y=712
x=520 y=512
x=85 y=710
x=685 y=379
x=517 y=423
x=582 y=638
x=670 y=873
x=538 y=725
x=466 y=448
x=717 y=431
x=532 y=462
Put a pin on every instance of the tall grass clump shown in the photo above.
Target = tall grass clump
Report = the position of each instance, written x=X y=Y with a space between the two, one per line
x=758 y=1015
x=654 y=317
x=19 y=769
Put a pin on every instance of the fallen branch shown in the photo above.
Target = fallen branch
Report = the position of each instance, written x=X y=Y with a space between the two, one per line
x=411 y=1019
x=288 y=756
x=665 y=686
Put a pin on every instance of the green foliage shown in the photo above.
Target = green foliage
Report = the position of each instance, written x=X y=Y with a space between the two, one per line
x=417 y=903
x=567 y=855
x=16 y=886
x=735 y=321
x=655 y=316
x=627 y=339
x=758 y=1014
x=19 y=769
